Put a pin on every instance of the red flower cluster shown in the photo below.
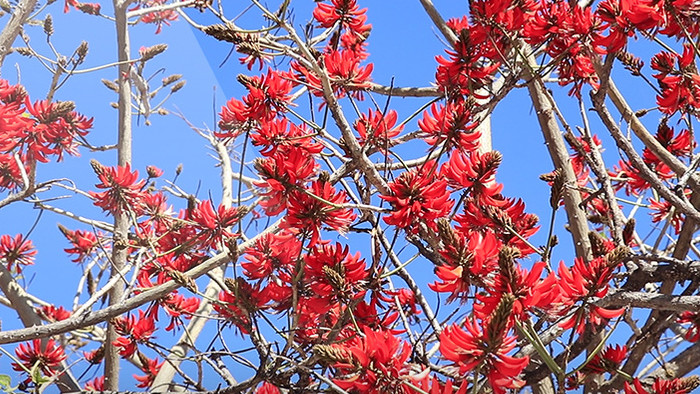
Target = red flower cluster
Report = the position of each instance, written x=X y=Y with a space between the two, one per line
x=133 y=332
x=124 y=190
x=474 y=348
x=16 y=252
x=157 y=18
x=31 y=133
x=680 y=86
x=418 y=197
x=46 y=357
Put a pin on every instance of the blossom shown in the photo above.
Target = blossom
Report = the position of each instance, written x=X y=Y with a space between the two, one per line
x=451 y=124
x=53 y=314
x=46 y=357
x=334 y=273
x=418 y=196
x=177 y=305
x=150 y=367
x=373 y=362
x=278 y=134
x=96 y=384
x=318 y=206
x=268 y=95
x=133 y=332
x=693 y=332
x=124 y=190
x=233 y=119
x=470 y=261
x=473 y=347
x=475 y=172
x=680 y=86
x=156 y=17
x=10 y=171
x=609 y=360
x=84 y=243
x=377 y=130
x=663 y=210
x=663 y=386
x=281 y=173
x=271 y=262
x=528 y=290
x=344 y=71
x=16 y=251
x=470 y=64
x=582 y=281
x=213 y=225
x=347 y=12
x=267 y=388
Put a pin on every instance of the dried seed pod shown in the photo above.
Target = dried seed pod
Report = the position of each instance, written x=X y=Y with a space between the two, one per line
x=331 y=354
x=170 y=79
x=48 y=25
x=177 y=86
x=24 y=51
x=632 y=63
x=222 y=33
x=598 y=247
x=111 y=85
x=81 y=52
x=153 y=51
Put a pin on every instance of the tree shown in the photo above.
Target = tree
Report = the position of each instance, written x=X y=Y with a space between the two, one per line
x=360 y=244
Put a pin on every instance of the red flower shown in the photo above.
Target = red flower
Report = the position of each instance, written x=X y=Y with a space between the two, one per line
x=281 y=173
x=213 y=225
x=470 y=261
x=345 y=11
x=472 y=62
x=451 y=124
x=345 y=73
x=16 y=251
x=377 y=130
x=53 y=314
x=271 y=261
x=628 y=177
x=680 y=87
x=234 y=119
x=475 y=172
x=236 y=307
x=96 y=384
x=607 y=361
x=586 y=280
x=663 y=210
x=133 y=332
x=418 y=196
x=693 y=332
x=279 y=134
x=176 y=305
x=268 y=95
x=529 y=291
x=322 y=205
x=151 y=369
x=10 y=172
x=157 y=17
x=267 y=388
x=662 y=386
x=488 y=352
x=333 y=273
x=124 y=190
x=374 y=362
x=84 y=243
x=46 y=357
